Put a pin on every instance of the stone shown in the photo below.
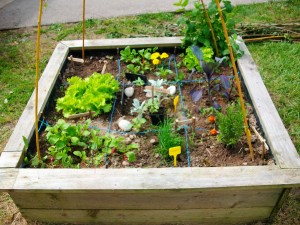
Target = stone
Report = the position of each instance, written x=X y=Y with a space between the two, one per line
x=125 y=163
x=245 y=163
x=127 y=141
x=129 y=91
x=152 y=141
x=124 y=125
x=131 y=136
x=172 y=90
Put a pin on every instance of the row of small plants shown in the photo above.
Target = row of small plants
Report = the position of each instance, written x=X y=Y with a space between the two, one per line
x=79 y=145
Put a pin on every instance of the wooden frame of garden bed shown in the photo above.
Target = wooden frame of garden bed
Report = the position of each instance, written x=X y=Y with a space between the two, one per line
x=218 y=195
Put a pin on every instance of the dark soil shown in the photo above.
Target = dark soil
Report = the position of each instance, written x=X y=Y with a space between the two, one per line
x=204 y=149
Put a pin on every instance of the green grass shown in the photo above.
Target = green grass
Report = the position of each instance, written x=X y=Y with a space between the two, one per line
x=279 y=66
x=272 y=12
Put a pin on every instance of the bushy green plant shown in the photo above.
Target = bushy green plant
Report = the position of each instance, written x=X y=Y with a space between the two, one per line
x=67 y=141
x=94 y=93
x=190 y=60
x=197 y=30
x=167 y=138
x=230 y=125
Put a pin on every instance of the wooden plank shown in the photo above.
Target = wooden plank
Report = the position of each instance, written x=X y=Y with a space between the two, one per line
x=130 y=217
x=278 y=138
x=170 y=199
x=156 y=178
x=11 y=159
x=25 y=125
x=7 y=178
x=156 y=89
x=124 y=42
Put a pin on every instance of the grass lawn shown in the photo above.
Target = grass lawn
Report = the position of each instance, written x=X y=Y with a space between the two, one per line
x=278 y=63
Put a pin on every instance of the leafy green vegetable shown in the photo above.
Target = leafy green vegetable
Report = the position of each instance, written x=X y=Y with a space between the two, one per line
x=94 y=93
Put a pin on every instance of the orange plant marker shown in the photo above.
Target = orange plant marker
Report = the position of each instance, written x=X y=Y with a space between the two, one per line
x=238 y=83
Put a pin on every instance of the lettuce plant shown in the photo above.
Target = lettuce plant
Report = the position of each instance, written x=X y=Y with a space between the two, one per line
x=94 y=93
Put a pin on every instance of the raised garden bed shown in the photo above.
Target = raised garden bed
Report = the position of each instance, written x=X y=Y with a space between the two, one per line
x=192 y=195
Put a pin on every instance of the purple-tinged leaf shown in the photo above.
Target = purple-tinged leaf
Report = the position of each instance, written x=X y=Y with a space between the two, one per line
x=197 y=52
x=225 y=82
x=226 y=95
x=197 y=109
x=216 y=105
x=193 y=90
x=216 y=87
x=208 y=69
x=221 y=61
x=197 y=95
x=193 y=71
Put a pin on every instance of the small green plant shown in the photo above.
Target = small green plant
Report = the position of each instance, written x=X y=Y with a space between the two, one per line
x=153 y=105
x=167 y=138
x=139 y=109
x=231 y=125
x=191 y=62
x=162 y=72
x=139 y=60
x=94 y=93
x=139 y=82
x=138 y=123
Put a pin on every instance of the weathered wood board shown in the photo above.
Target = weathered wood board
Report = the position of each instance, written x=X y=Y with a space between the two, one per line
x=130 y=217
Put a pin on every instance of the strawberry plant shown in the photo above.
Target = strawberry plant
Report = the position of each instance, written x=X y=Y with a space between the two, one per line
x=94 y=93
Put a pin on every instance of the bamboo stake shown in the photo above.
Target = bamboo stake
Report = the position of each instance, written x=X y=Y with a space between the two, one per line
x=37 y=61
x=211 y=28
x=83 y=26
x=238 y=83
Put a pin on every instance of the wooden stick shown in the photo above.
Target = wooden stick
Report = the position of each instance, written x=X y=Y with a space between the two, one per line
x=37 y=61
x=211 y=28
x=72 y=59
x=238 y=83
x=194 y=123
x=104 y=67
x=263 y=141
x=74 y=116
x=160 y=90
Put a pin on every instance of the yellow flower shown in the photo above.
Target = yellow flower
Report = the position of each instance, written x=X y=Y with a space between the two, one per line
x=155 y=61
x=154 y=55
x=164 y=55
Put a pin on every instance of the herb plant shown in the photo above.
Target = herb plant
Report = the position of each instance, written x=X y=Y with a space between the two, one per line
x=167 y=138
x=231 y=125
x=94 y=93
x=139 y=109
